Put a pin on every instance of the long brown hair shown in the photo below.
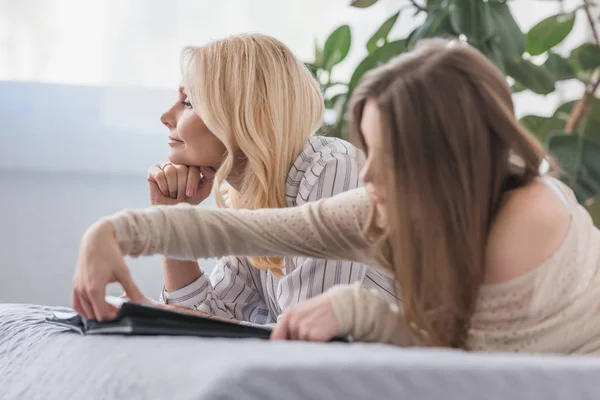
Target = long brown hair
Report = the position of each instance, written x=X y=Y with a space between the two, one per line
x=448 y=121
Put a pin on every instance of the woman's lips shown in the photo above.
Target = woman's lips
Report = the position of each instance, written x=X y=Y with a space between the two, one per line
x=174 y=142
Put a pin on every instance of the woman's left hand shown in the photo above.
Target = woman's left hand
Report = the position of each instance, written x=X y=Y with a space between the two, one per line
x=313 y=320
x=100 y=262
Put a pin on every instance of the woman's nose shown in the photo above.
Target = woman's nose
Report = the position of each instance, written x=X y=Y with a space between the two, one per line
x=168 y=119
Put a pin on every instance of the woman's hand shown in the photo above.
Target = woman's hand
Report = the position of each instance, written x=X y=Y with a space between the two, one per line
x=170 y=184
x=313 y=320
x=100 y=262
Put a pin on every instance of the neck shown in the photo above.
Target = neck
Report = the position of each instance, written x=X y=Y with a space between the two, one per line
x=235 y=178
x=235 y=182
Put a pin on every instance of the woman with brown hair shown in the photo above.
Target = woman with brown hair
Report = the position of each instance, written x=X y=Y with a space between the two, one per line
x=489 y=254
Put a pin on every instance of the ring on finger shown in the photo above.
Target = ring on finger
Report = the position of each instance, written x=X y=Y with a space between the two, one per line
x=163 y=165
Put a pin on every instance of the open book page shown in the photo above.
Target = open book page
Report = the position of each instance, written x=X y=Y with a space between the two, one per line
x=208 y=315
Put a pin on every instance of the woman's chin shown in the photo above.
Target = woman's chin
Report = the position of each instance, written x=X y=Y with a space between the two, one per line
x=175 y=156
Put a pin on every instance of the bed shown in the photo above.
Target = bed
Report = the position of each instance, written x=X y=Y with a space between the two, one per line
x=40 y=361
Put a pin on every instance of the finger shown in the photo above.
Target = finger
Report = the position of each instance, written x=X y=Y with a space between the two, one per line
x=88 y=311
x=182 y=177
x=318 y=336
x=208 y=174
x=171 y=176
x=78 y=306
x=310 y=332
x=131 y=290
x=102 y=310
x=294 y=328
x=87 y=306
x=304 y=332
x=280 y=332
x=157 y=175
x=193 y=181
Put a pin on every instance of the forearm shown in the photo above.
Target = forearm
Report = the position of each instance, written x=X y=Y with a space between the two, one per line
x=187 y=233
x=179 y=274
x=368 y=317
x=231 y=292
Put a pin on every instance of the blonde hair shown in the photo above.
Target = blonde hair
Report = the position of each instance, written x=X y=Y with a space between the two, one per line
x=263 y=104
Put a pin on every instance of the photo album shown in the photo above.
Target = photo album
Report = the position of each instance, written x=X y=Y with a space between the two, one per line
x=148 y=319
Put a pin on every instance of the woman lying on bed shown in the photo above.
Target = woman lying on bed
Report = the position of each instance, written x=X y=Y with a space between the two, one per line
x=246 y=113
x=489 y=254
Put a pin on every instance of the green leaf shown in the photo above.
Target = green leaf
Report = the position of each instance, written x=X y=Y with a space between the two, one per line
x=380 y=56
x=410 y=38
x=313 y=68
x=335 y=101
x=338 y=97
x=336 y=47
x=594 y=210
x=543 y=127
x=549 y=33
x=433 y=3
x=591 y=125
x=318 y=54
x=338 y=103
x=517 y=87
x=380 y=37
x=533 y=122
x=436 y=24
x=580 y=159
x=508 y=36
x=559 y=67
x=493 y=53
x=362 y=3
x=586 y=57
x=473 y=18
x=533 y=77
x=564 y=110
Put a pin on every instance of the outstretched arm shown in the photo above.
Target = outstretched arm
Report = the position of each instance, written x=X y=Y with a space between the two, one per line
x=329 y=229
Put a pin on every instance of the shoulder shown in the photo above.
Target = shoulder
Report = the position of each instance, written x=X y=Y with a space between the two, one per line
x=530 y=227
x=327 y=166
x=320 y=149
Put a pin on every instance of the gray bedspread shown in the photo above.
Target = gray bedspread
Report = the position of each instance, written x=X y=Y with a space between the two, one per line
x=39 y=361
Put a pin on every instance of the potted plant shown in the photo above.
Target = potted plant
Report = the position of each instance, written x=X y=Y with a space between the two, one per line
x=530 y=60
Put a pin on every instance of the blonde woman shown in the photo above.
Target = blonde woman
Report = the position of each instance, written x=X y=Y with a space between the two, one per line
x=245 y=115
x=490 y=254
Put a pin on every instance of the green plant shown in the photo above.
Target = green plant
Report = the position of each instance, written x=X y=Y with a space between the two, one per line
x=530 y=60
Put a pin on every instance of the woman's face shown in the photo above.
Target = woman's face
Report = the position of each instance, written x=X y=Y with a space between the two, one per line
x=190 y=141
x=370 y=125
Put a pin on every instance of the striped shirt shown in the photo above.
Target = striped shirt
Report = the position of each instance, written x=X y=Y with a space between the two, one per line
x=237 y=290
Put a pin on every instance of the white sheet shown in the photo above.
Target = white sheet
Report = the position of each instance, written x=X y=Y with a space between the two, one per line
x=38 y=361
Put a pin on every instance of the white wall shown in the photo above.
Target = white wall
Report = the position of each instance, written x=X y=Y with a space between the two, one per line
x=137 y=42
x=42 y=218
